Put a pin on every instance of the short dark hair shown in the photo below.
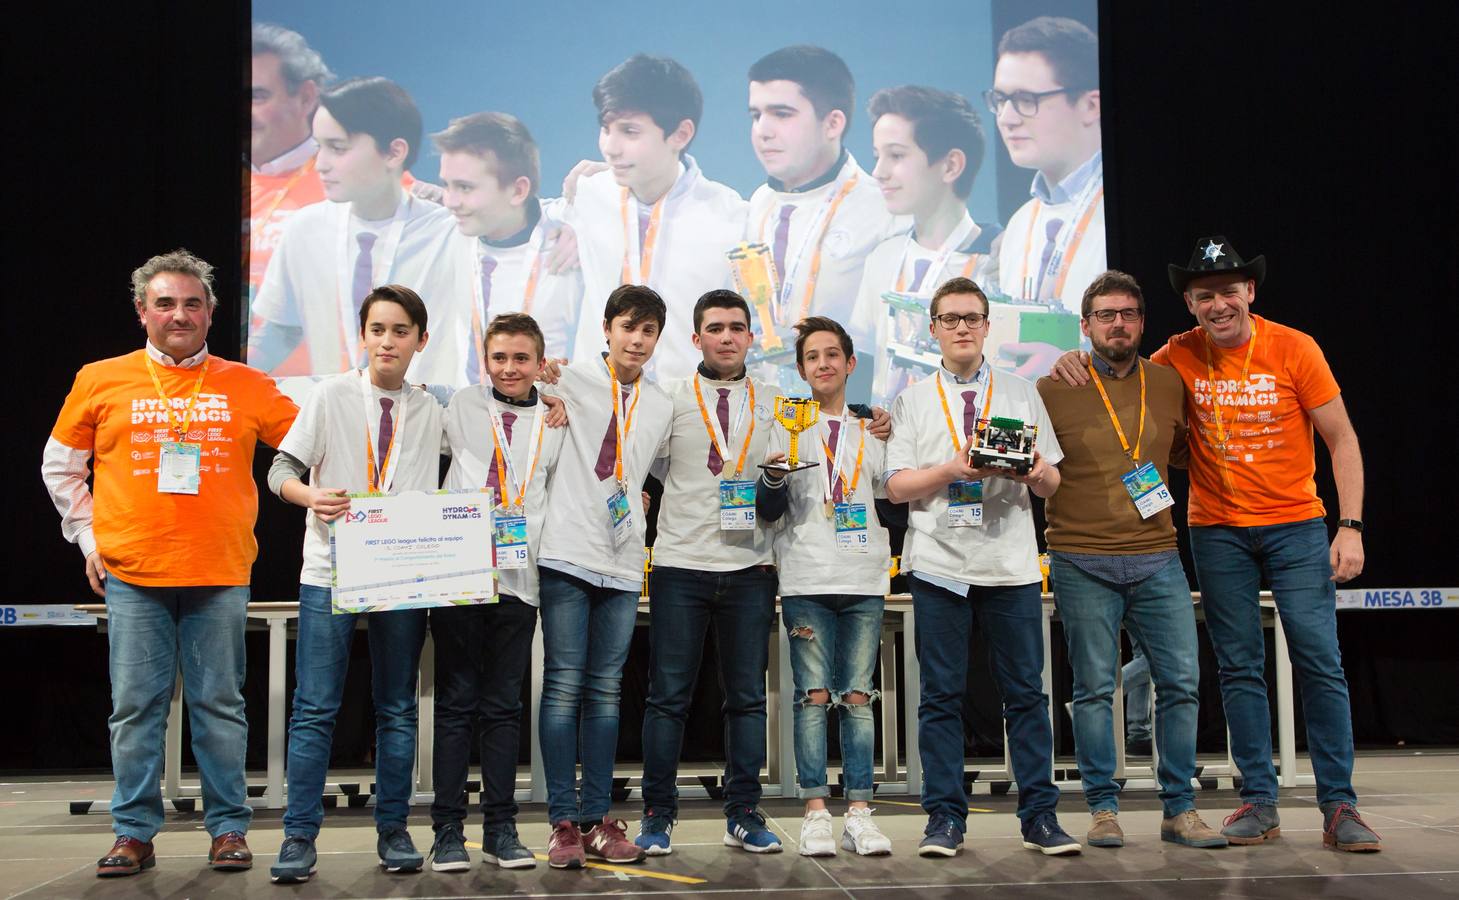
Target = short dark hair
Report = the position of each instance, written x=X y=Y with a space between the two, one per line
x=515 y=323
x=637 y=301
x=958 y=285
x=1111 y=281
x=1070 y=47
x=824 y=77
x=719 y=298
x=378 y=107
x=500 y=134
x=656 y=86
x=409 y=300
x=941 y=122
x=812 y=324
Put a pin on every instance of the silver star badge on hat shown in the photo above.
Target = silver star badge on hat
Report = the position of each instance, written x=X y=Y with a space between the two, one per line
x=1213 y=250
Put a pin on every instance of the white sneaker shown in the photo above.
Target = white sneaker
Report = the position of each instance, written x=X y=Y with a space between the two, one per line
x=862 y=836
x=816 y=838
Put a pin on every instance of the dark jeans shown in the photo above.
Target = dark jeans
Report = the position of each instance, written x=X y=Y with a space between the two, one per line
x=683 y=603
x=1011 y=619
x=482 y=654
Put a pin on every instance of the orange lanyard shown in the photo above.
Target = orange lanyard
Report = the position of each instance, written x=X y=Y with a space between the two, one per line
x=645 y=252
x=1216 y=395
x=499 y=434
x=1079 y=229
x=261 y=220
x=848 y=491
x=180 y=424
x=709 y=426
x=477 y=326
x=815 y=273
x=947 y=412
x=1109 y=408
x=625 y=425
x=967 y=272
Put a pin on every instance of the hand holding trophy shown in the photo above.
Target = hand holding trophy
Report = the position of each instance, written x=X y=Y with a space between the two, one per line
x=796 y=414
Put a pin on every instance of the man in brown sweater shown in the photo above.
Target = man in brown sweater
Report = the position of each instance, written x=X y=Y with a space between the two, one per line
x=1114 y=558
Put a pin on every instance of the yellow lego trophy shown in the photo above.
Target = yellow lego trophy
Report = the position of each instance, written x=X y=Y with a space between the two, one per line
x=796 y=414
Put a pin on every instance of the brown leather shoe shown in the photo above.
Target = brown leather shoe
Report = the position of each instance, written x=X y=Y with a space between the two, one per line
x=230 y=853
x=127 y=856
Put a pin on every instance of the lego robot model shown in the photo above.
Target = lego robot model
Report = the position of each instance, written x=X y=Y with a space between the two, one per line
x=1002 y=443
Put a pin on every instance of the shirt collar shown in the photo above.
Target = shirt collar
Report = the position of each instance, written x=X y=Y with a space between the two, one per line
x=1107 y=370
x=162 y=359
x=705 y=373
x=289 y=160
x=830 y=175
x=503 y=398
x=979 y=376
x=534 y=215
x=1072 y=184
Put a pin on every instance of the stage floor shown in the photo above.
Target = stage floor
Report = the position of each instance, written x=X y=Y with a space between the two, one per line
x=1412 y=799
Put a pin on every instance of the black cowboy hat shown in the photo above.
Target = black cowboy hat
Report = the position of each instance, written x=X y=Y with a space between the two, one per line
x=1216 y=256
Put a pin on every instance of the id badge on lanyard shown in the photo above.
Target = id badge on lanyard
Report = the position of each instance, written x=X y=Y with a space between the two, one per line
x=509 y=531
x=620 y=516
x=965 y=504
x=178 y=468
x=851 y=533
x=1147 y=489
x=737 y=506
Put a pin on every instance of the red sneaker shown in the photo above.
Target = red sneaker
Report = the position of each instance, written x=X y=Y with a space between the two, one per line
x=608 y=840
x=565 y=847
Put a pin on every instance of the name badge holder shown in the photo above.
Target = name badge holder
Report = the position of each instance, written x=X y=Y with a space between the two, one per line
x=620 y=516
x=737 y=506
x=1147 y=489
x=851 y=533
x=509 y=537
x=178 y=468
x=965 y=504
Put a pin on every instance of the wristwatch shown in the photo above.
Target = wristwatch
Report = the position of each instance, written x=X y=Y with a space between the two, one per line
x=1354 y=524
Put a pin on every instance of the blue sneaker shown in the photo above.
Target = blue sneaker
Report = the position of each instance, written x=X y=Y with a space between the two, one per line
x=296 y=861
x=1042 y=833
x=448 y=852
x=746 y=830
x=500 y=846
x=654 y=831
x=942 y=837
x=397 y=851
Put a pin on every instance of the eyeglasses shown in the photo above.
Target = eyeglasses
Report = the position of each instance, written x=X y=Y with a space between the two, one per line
x=950 y=320
x=1106 y=316
x=1026 y=103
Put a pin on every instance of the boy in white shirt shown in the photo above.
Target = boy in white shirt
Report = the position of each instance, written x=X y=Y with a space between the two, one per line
x=590 y=565
x=499 y=438
x=834 y=561
x=361 y=430
x=929 y=146
x=491 y=173
x=712 y=563
x=818 y=212
x=971 y=556
x=652 y=218
x=371 y=231
x=1045 y=99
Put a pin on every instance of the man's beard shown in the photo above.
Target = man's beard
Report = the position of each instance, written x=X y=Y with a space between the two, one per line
x=1116 y=354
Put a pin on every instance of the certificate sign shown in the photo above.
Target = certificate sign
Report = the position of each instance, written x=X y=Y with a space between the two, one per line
x=412 y=550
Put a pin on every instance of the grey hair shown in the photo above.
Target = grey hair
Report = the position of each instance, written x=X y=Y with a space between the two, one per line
x=297 y=60
x=178 y=262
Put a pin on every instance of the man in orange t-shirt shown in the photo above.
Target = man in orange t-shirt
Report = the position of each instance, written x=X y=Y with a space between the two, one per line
x=167 y=530
x=1254 y=391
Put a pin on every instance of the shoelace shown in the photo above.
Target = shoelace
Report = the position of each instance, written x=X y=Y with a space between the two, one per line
x=655 y=823
x=1348 y=811
x=566 y=835
x=1245 y=809
x=446 y=833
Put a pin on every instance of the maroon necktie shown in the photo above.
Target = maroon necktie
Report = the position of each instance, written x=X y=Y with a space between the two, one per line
x=782 y=237
x=387 y=430
x=494 y=478
x=1051 y=233
x=473 y=366
x=970 y=412
x=837 y=495
x=364 y=271
x=721 y=410
x=608 y=451
x=919 y=272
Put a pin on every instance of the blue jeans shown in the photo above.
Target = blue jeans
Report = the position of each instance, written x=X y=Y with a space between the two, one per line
x=1136 y=677
x=741 y=605
x=321 y=662
x=1011 y=620
x=1159 y=614
x=586 y=631
x=150 y=631
x=1293 y=558
x=834 y=640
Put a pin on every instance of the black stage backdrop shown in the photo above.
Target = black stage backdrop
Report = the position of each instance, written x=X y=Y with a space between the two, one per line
x=1324 y=141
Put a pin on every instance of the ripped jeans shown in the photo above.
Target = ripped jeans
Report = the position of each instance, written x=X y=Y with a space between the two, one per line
x=834 y=640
